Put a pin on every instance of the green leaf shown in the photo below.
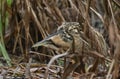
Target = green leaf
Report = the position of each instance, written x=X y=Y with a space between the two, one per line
x=9 y=2
x=5 y=54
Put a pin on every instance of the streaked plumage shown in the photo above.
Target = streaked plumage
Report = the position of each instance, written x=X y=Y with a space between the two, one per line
x=72 y=31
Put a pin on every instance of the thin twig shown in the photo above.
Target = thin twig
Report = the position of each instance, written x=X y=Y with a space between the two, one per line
x=110 y=69
x=52 y=60
x=116 y=30
x=98 y=14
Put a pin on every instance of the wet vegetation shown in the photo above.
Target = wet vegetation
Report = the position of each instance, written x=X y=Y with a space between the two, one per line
x=25 y=22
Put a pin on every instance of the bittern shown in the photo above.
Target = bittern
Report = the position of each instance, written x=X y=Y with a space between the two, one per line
x=71 y=34
x=64 y=37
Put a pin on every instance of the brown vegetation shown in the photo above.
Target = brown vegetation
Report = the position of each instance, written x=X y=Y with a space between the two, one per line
x=33 y=20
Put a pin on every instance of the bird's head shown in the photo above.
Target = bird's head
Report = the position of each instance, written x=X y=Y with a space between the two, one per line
x=63 y=38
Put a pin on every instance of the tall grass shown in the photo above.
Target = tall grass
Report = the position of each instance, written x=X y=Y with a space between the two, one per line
x=3 y=24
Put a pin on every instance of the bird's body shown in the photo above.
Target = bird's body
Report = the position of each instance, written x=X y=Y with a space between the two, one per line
x=71 y=35
x=64 y=37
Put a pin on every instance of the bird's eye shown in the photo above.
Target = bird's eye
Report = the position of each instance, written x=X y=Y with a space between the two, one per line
x=73 y=29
